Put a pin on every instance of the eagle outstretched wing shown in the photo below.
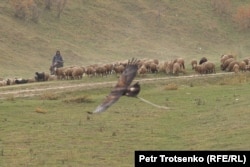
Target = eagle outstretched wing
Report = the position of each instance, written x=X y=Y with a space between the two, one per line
x=123 y=83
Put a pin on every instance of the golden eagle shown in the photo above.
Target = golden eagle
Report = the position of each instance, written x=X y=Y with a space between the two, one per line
x=123 y=87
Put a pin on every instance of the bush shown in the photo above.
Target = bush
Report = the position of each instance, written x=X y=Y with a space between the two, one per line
x=25 y=9
x=242 y=17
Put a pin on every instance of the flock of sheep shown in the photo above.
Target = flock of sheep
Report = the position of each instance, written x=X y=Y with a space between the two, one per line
x=173 y=67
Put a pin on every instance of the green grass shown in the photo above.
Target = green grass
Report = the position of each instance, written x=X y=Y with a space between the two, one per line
x=53 y=128
x=209 y=114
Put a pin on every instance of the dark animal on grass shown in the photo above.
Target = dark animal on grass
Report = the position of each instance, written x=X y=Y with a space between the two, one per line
x=41 y=76
x=123 y=87
x=21 y=81
x=202 y=60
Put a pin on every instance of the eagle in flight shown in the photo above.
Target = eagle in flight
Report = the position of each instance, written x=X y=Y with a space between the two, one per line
x=123 y=87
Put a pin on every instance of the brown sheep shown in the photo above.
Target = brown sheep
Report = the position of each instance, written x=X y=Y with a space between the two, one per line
x=242 y=66
x=226 y=63
x=101 y=71
x=59 y=72
x=142 y=70
x=176 y=68
x=77 y=72
x=109 y=68
x=68 y=72
x=225 y=57
x=153 y=68
x=209 y=67
x=181 y=62
x=193 y=63
x=200 y=69
x=119 y=69
x=231 y=65
x=90 y=71
x=169 y=67
x=236 y=68
x=247 y=61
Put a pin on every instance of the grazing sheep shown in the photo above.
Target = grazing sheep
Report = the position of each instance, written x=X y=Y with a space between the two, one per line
x=176 y=68
x=109 y=68
x=169 y=67
x=153 y=68
x=68 y=72
x=77 y=72
x=119 y=69
x=59 y=72
x=193 y=63
x=209 y=67
x=181 y=62
x=142 y=70
x=231 y=65
x=41 y=76
x=247 y=61
x=236 y=68
x=242 y=66
x=226 y=63
x=90 y=71
x=3 y=83
x=200 y=69
x=101 y=71
x=225 y=57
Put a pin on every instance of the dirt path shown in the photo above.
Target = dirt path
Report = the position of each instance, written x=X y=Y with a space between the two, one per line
x=20 y=91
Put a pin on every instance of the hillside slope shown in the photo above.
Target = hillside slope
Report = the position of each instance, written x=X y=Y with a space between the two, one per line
x=106 y=31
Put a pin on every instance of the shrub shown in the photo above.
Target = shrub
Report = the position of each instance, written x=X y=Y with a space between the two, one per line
x=242 y=17
x=25 y=9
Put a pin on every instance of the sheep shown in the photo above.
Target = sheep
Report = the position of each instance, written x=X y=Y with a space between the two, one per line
x=176 y=68
x=231 y=65
x=101 y=70
x=153 y=68
x=242 y=66
x=181 y=62
x=226 y=63
x=142 y=70
x=169 y=67
x=90 y=71
x=209 y=67
x=161 y=67
x=41 y=76
x=236 y=68
x=119 y=69
x=225 y=57
x=77 y=72
x=59 y=72
x=3 y=83
x=68 y=72
x=202 y=60
x=247 y=61
x=193 y=63
x=200 y=69
x=109 y=68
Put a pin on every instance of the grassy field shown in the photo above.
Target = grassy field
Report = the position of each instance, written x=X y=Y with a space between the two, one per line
x=54 y=129
x=46 y=124
x=107 y=31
